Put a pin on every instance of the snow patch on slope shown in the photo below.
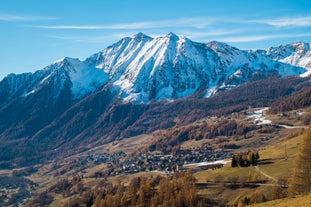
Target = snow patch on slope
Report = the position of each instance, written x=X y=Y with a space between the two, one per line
x=85 y=78
x=258 y=116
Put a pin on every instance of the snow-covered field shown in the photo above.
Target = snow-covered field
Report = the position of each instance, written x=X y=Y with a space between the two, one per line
x=224 y=161
x=259 y=117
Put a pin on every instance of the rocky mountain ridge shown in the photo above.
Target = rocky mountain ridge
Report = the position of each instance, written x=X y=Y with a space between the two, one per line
x=142 y=69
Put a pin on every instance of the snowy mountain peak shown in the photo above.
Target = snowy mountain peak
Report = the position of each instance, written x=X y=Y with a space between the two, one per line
x=59 y=60
x=283 y=51
x=143 y=68
x=220 y=47
x=301 y=46
x=172 y=36
x=81 y=76
x=296 y=54
x=65 y=59
x=141 y=36
x=64 y=64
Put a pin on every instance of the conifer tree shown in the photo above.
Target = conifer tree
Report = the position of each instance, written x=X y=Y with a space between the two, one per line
x=300 y=182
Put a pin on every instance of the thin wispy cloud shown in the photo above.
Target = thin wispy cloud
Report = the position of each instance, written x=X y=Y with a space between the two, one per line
x=256 y=38
x=195 y=28
x=198 y=23
x=137 y=25
x=99 y=38
x=223 y=36
x=86 y=39
x=286 y=22
x=198 y=36
x=11 y=17
x=210 y=33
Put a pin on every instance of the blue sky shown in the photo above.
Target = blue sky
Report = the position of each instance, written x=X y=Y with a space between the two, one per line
x=34 y=33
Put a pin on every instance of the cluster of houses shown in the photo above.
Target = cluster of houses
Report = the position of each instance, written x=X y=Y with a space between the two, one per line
x=165 y=163
x=112 y=158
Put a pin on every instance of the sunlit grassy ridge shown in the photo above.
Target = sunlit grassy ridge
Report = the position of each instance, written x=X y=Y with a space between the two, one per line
x=300 y=201
x=276 y=161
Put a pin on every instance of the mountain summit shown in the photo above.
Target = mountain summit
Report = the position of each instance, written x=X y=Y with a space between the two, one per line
x=172 y=66
x=142 y=68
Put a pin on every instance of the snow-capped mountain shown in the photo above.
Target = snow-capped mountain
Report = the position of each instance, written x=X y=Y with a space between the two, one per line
x=172 y=66
x=297 y=54
x=115 y=92
x=142 y=68
x=79 y=76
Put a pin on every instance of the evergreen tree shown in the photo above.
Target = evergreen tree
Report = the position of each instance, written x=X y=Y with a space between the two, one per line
x=300 y=182
x=234 y=162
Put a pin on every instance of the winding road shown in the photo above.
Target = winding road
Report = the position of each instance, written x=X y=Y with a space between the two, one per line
x=292 y=127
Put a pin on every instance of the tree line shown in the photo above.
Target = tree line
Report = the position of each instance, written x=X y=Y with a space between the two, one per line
x=300 y=182
x=170 y=138
x=176 y=191
x=295 y=101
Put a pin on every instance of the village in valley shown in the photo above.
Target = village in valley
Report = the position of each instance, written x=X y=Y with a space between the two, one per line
x=197 y=158
x=168 y=163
